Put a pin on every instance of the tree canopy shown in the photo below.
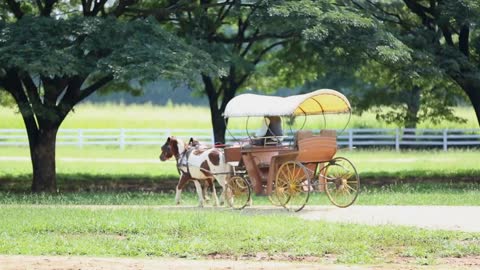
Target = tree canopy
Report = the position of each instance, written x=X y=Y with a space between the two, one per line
x=418 y=57
x=54 y=54
x=442 y=41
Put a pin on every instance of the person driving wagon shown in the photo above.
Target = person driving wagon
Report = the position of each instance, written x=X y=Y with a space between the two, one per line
x=270 y=132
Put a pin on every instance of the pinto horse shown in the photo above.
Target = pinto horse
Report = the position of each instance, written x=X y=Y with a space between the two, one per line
x=196 y=163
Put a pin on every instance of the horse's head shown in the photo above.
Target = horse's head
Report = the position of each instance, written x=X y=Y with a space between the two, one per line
x=193 y=142
x=168 y=149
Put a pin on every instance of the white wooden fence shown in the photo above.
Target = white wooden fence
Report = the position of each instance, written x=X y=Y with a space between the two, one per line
x=350 y=138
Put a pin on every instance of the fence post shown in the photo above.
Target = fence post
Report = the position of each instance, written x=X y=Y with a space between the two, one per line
x=122 y=138
x=397 y=139
x=80 y=138
x=350 y=139
x=445 y=140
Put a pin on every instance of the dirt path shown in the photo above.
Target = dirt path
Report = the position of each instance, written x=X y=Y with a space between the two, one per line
x=91 y=263
x=18 y=262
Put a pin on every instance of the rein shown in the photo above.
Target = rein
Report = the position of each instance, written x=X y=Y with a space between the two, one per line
x=183 y=156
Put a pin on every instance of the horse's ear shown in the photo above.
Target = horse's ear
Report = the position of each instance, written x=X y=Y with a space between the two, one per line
x=168 y=139
x=190 y=141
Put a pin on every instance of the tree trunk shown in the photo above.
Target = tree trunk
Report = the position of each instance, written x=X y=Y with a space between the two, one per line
x=474 y=95
x=42 y=151
x=219 y=126
x=413 y=106
x=218 y=123
x=471 y=86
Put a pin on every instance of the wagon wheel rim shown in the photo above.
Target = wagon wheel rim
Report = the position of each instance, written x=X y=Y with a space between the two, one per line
x=237 y=192
x=342 y=182
x=292 y=185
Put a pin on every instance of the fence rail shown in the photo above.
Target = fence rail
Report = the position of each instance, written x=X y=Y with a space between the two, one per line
x=350 y=138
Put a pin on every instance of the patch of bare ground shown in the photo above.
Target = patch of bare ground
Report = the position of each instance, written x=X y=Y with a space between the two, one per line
x=466 y=262
x=265 y=256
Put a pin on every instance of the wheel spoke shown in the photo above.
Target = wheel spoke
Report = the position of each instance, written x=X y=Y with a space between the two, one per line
x=292 y=186
x=285 y=176
x=348 y=186
x=237 y=192
x=298 y=171
x=342 y=182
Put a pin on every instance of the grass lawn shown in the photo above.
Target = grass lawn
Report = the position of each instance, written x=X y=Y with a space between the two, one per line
x=195 y=234
x=403 y=194
x=105 y=161
x=181 y=116
x=142 y=164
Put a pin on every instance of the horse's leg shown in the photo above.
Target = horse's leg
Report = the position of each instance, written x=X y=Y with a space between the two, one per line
x=199 y=193
x=181 y=184
x=222 y=182
x=205 y=191
x=214 y=191
x=178 y=194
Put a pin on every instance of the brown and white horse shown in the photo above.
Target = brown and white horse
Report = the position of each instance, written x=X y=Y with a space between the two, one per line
x=196 y=163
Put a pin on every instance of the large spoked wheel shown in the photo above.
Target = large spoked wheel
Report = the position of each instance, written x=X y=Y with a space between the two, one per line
x=237 y=192
x=292 y=185
x=273 y=198
x=342 y=183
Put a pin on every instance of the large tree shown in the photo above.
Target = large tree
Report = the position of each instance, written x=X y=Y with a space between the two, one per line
x=54 y=54
x=242 y=36
x=443 y=36
x=410 y=97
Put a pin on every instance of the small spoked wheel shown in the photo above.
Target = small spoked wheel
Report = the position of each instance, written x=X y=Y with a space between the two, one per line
x=237 y=192
x=292 y=185
x=342 y=183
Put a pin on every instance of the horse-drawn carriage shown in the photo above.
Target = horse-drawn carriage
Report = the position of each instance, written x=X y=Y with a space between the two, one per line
x=287 y=169
x=288 y=172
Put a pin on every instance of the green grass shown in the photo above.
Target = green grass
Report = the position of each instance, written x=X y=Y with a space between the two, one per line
x=370 y=164
x=144 y=232
x=191 y=117
x=123 y=116
x=415 y=167
x=400 y=194
x=149 y=165
x=415 y=164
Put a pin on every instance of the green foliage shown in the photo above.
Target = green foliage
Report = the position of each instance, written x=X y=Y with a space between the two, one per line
x=54 y=55
x=395 y=58
x=6 y=99
x=438 y=40
x=81 y=46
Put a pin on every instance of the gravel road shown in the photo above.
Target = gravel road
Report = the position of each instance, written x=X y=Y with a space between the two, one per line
x=459 y=218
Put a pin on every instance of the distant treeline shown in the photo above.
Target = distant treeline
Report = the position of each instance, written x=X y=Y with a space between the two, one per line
x=157 y=93
x=162 y=92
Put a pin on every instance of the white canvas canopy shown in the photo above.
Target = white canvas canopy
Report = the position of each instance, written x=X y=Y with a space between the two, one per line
x=317 y=102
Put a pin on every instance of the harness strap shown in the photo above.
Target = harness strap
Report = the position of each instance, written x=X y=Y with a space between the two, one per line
x=186 y=155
